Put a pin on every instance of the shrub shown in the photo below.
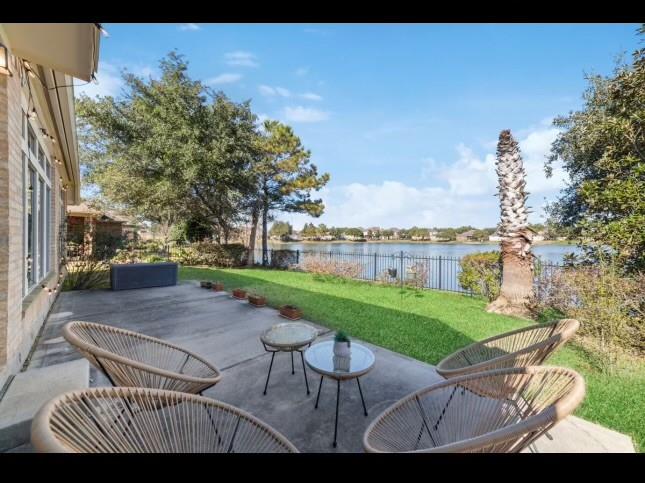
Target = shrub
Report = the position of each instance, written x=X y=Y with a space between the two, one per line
x=86 y=273
x=389 y=276
x=283 y=258
x=417 y=275
x=106 y=245
x=149 y=246
x=211 y=254
x=609 y=305
x=481 y=274
x=154 y=259
x=127 y=256
x=320 y=265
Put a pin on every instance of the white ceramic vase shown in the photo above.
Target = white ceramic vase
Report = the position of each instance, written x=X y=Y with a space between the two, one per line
x=342 y=349
x=342 y=363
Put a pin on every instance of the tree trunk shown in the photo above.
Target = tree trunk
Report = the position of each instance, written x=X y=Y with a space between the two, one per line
x=517 y=278
x=265 y=234
x=517 y=259
x=255 y=215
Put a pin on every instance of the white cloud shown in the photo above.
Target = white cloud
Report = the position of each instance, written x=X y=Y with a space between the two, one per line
x=310 y=96
x=304 y=114
x=109 y=82
x=226 y=78
x=241 y=58
x=302 y=71
x=395 y=204
x=276 y=91
x=281 y=91
x=458 y=193
x=470 y=175
x=269 y=91
x=189 y=26
x=261 y=118
x=266 y=90
x=428 y=168
x=535 y=149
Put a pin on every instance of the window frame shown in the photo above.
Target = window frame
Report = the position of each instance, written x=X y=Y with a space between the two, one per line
x=36 y=159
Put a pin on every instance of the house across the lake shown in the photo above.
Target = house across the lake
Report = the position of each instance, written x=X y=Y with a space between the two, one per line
x=466 y=236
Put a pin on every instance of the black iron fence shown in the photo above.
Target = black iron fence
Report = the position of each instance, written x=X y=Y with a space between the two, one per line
x=431 y=272
x=439 y=273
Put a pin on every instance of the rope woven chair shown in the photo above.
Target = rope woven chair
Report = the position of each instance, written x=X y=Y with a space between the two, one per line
x=452 y=416
x=131 y=359
x=523 y=347
x=140 y=420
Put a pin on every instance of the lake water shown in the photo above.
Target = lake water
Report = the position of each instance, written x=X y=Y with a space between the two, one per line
x=548 y=252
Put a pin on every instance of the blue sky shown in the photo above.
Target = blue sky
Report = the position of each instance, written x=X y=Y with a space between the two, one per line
x=403 y=116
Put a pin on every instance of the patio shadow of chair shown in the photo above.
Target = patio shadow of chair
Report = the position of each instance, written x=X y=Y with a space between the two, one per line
x=357 y=313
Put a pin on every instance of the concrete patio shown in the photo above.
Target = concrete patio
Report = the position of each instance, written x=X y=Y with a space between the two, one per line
x=226 y=332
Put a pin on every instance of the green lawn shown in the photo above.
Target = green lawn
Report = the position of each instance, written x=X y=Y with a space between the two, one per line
x=428 y=325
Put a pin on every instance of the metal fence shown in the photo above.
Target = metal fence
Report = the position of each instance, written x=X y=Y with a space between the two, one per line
x=439 y=273
x=436 y=272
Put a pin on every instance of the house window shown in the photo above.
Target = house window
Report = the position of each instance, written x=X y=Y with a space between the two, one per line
x=37 y=212
x=62 y=228
x=41 y=226
x=30 y=226
x=32 y=144
x=50 y=239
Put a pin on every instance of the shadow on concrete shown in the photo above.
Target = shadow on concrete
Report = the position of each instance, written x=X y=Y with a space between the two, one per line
x=427 y=339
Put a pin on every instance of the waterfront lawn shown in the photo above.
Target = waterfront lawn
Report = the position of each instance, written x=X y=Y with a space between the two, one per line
x=428 y=325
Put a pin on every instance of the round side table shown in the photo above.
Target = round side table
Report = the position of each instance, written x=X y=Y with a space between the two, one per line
x=288 y=337
x=320 y=358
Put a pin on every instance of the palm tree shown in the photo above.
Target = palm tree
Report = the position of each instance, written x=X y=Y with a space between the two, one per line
x=517 y=259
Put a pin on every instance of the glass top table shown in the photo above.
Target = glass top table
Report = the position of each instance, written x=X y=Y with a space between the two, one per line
x=289 y=335
x=320 y=357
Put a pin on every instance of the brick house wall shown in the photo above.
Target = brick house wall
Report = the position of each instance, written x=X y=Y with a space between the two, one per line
x=21 y=317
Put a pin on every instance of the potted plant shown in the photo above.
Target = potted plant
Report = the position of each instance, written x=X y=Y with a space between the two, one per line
x=239 y=293
x=205 y=284
x=290 y=312
x=257 y=300
x=342 y=344
x=217 y=286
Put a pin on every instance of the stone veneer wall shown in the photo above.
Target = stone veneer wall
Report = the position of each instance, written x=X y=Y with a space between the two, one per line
x=20 y=320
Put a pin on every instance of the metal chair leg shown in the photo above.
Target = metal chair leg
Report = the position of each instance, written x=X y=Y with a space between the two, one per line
x=269 y=374
x=293 y=370
x=337 y=403
x=318 y=396
x=361 y=393
x=302 y=358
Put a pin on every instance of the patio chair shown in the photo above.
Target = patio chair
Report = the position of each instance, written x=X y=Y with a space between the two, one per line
x=523 y=347
x=140 y=420
x=453 y=416
x=131 y=359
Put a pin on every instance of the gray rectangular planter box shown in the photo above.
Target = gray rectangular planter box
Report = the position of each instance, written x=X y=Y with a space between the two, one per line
x=142 y=275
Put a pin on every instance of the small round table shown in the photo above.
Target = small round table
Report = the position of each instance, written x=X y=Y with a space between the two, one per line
x=320 y=358
x=288 y=337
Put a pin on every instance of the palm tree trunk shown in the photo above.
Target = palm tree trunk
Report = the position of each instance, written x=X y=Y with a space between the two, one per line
x=517 y=259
